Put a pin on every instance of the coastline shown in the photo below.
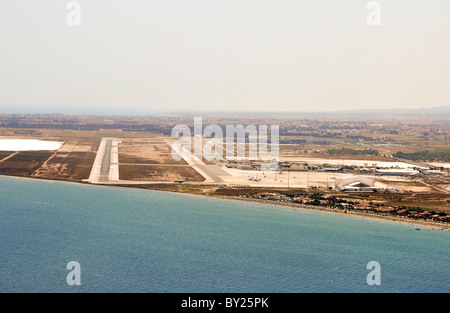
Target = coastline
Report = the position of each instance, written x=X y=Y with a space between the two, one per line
x=394 y=219
x=373 y=216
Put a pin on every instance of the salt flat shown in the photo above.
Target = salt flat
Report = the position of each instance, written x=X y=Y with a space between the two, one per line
x=28 y=145
x=365 y=163
x=440 y=164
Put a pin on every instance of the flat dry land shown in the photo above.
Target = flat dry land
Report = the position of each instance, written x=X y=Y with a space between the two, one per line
x=151 y=160
x=72 y=162
x=74 y=166
x=5 y=154
x=158 y=173
x=147 y=153
x=24 y=163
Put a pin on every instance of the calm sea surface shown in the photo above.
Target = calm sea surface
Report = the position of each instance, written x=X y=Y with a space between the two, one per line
x=130 y=240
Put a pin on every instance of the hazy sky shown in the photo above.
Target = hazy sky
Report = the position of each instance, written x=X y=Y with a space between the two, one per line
x=141 y=56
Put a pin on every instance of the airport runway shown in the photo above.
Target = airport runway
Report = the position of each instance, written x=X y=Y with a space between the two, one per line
x=105 y=169
x=212 y=173
x=106 y=164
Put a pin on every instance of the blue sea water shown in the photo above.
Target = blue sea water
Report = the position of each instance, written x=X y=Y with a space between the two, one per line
x=131 y=240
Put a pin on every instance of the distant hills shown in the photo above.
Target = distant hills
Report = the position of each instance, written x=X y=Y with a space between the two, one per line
x=442 y=110
x=434 y=111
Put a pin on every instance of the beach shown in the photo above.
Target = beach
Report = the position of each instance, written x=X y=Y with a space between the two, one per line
x=396 y=219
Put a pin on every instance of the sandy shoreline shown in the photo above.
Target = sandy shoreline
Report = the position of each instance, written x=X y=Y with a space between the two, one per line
x=396 y=219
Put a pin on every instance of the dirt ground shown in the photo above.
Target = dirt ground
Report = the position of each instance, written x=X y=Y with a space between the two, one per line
x=147 y=153
x=24 y=163
x=74 y=166
x=158 y=173
x=72 y=162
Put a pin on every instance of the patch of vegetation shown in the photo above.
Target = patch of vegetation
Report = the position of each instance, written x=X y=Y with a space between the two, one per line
x=359 y=137
x=442 y=155
x=348 y=151
x=4 y=154
x=74 y=167
x=24 y=163
x=185 y=189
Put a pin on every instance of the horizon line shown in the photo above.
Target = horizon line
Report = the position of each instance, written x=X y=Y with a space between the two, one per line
x=437 y=109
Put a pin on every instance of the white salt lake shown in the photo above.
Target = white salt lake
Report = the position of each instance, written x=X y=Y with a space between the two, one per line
x=364 y=163
x=28 y=145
